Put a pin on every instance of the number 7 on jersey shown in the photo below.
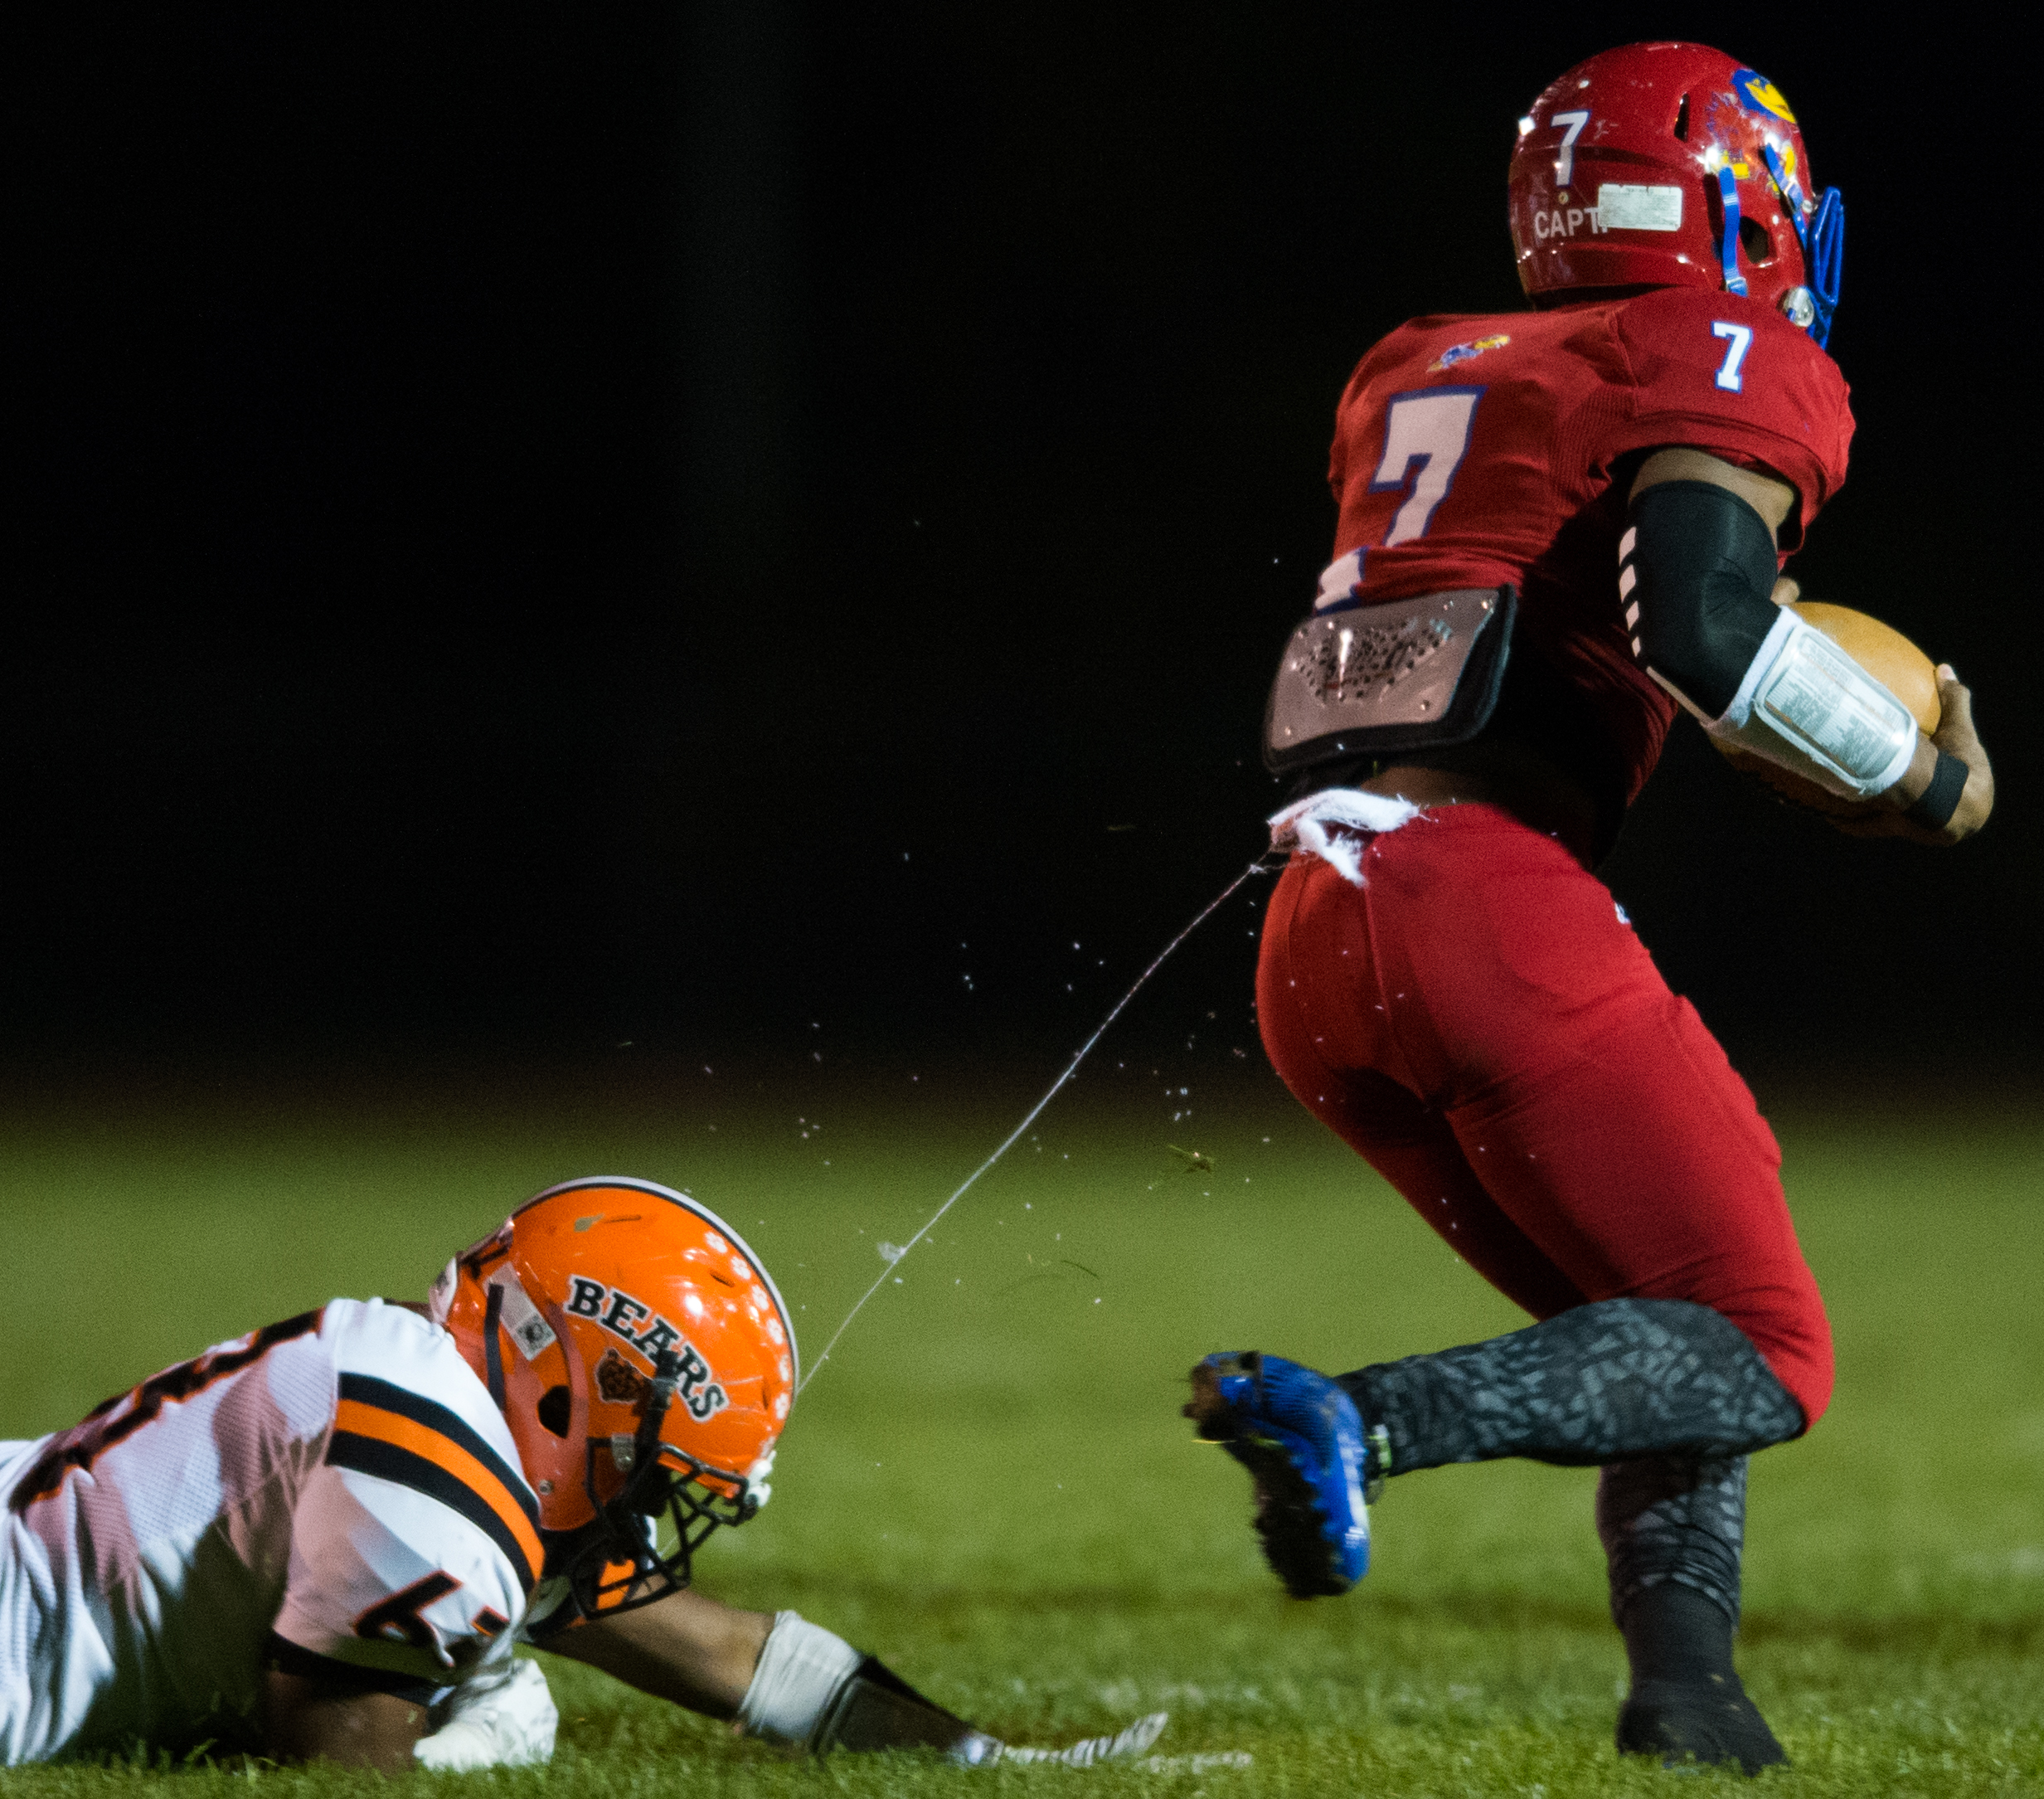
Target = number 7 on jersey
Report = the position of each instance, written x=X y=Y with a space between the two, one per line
x=1431 y=429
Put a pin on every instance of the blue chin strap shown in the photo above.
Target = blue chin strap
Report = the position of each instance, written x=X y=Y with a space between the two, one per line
x=1822 y=238
x=1728 y=238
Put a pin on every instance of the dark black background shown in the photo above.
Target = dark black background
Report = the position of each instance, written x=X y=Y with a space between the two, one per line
x=530 y=531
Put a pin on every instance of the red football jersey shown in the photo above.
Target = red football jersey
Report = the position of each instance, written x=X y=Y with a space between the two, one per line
x=1470 y=451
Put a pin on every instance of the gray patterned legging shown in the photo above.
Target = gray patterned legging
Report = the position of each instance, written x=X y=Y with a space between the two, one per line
x=1668 y=1396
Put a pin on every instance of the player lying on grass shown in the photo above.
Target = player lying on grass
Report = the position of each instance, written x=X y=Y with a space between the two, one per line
x=324 y=1539
x=1605 y=487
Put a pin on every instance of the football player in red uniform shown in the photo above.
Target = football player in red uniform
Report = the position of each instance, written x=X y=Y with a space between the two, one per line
x=1556 y=528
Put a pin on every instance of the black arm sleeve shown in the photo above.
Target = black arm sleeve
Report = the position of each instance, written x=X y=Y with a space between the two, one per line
x=1703 y=565
x=877 y=1710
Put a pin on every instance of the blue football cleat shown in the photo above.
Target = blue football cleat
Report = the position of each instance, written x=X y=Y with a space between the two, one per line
x=1302 y=1439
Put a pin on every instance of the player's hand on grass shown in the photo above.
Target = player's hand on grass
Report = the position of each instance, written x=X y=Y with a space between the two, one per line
x=505 y=1718
x=1120 y=1746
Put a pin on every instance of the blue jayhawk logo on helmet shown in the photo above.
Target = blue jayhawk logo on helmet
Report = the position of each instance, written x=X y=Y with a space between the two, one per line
x=1758 y=94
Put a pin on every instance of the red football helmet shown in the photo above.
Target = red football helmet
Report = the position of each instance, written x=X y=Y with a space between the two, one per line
x=645 y=1363
x=1673 y=165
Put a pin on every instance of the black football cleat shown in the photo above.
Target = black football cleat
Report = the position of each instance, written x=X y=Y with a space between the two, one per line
x=1711 y=1719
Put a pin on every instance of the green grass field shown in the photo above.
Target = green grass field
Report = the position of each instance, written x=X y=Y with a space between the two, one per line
x=989 y=1485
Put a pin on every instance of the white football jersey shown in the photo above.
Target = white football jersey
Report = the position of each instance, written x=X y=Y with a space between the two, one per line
x=334 y=1495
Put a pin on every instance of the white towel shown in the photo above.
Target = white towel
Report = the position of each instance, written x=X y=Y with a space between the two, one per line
x=1303 y=825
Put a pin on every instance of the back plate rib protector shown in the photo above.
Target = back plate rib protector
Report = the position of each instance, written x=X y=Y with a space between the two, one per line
x=1402 y=674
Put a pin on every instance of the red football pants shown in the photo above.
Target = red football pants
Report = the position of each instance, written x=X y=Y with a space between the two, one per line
x=1477 y=1022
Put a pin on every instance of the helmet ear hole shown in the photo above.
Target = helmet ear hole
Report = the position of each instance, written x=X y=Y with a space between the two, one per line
x=1755 y=242
x=554 y=1410
x=1682 y=121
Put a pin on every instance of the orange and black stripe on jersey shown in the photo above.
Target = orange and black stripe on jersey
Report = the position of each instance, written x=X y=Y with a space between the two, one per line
x=383 y=1429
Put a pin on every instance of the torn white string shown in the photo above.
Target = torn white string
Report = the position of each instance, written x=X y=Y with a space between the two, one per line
x=1303 y=824
x=1261 y=865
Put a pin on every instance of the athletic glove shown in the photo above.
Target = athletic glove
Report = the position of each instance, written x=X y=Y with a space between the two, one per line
x=501 y=1719
x=812 y=1690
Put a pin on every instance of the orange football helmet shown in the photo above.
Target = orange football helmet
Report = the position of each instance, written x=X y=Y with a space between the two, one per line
x=645 y=1363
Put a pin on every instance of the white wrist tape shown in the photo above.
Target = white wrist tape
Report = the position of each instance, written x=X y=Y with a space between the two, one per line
x=503 y=1719
x=801 y=1668
x=1809 y=706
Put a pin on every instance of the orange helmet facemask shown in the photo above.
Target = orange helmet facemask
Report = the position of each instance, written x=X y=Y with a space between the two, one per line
x=645 y=1363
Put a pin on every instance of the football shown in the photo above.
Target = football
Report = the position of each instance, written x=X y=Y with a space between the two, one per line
x=1885 y=654
x=1883 y=651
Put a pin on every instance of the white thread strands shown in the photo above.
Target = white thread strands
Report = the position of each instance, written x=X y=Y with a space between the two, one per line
x=892 y=1255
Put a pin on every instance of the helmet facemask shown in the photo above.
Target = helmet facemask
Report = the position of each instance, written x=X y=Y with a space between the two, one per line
x=661 y=1505
x=1821 y=237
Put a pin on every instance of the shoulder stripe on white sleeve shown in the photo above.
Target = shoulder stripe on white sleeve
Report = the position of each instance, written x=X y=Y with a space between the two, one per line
x=383 y=1429
x=107 y=1424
